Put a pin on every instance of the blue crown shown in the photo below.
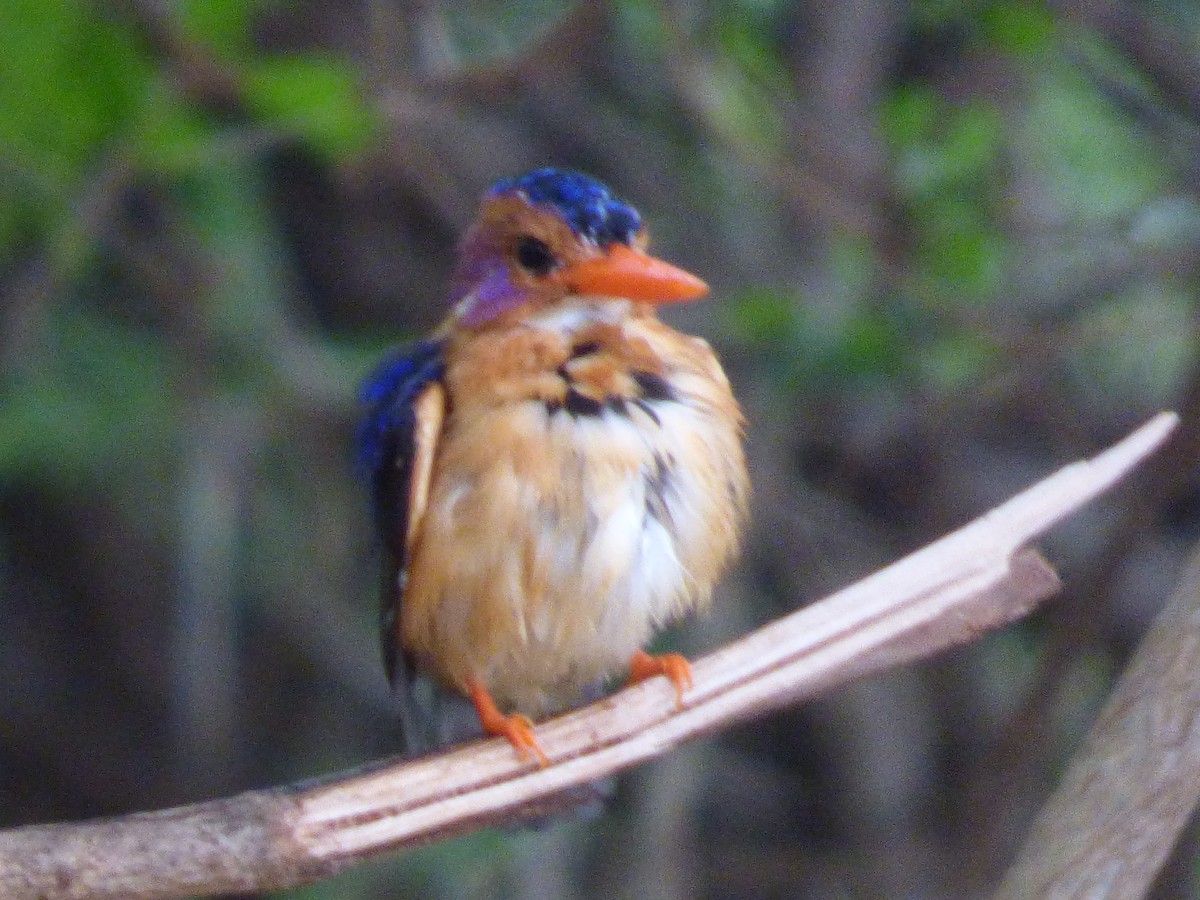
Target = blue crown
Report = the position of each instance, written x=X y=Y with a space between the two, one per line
x=584 y=203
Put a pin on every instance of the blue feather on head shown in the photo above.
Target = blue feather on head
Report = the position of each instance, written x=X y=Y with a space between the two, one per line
x=583 y=203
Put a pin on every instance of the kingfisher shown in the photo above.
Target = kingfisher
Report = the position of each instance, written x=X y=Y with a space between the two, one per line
x=556 y=473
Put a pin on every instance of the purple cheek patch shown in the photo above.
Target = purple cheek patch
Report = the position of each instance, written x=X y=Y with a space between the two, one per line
x=494 y=294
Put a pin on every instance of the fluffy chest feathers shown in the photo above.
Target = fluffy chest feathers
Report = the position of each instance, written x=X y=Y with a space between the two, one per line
x=588 y=486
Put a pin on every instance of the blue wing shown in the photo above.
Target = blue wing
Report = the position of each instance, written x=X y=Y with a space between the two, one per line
x=395 y=446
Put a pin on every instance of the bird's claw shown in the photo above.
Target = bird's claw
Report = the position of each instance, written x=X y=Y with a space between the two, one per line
x=519 y=731
x=516 y=728
x=674 y=665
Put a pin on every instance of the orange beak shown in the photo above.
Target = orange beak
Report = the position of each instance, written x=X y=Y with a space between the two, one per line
x=625 y=272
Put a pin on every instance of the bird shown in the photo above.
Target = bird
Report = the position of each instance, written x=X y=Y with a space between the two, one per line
x=556 y=474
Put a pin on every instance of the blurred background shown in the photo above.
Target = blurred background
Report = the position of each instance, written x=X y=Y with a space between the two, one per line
x=953 y=246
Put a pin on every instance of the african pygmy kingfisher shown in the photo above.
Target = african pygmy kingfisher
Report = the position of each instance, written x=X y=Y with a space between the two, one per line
x=556 y=473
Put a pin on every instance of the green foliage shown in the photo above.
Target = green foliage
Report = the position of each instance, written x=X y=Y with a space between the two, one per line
x=223 y=26
x=954 y=360
x=1095 y=165
x=946 y=164
x=641 y=23
x=171 y=137
x=475 y=34
x=101 y=402
x=69 y=83
x=748 y=78
x=810 y=350
x=1023 y=28
x=229 y=209
x=743 y=111
x=1018 y=27
x=745 y=41
x=848 y=342
x=1136 y=349
x=313 y=98
x=940 y=146
x=77 y=87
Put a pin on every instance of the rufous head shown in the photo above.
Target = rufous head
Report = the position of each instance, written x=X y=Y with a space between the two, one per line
x=550 y=235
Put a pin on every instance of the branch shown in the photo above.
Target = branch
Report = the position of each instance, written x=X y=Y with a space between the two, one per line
x=975 y=579
x=1132 y=787
x=1165 y=54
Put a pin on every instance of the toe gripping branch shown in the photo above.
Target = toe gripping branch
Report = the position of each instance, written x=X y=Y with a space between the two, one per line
x=516 y=728
x=675 y=666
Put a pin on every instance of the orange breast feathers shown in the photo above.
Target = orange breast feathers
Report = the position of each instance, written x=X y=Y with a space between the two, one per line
x=588 y=486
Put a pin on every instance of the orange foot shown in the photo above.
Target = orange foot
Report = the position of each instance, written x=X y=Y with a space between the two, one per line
x=517 y=728
x=674 y=665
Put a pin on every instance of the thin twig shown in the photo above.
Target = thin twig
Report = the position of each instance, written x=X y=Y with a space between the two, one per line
x=977 y=578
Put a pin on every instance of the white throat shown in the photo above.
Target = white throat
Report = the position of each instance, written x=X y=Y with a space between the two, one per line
x=573 y=314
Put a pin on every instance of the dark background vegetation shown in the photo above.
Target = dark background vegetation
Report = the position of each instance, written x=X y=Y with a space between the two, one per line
x=953 y=245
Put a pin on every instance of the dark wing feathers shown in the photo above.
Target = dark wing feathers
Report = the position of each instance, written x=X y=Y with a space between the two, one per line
x=404 y=404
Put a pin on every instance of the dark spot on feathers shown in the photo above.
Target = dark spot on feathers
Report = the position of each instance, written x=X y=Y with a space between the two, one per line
x=578 y=404
x=648 y=410
x=654 y=387
x=587 y=348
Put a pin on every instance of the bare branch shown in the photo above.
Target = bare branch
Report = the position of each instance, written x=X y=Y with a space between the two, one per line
x=1164 y=54
x=977 y=578
x=1133 y=785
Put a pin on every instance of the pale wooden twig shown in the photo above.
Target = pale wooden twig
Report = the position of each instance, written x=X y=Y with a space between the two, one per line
x=975 y=579
x=1135 y=782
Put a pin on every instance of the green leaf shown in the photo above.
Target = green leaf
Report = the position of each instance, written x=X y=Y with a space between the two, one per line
x=745 y=41
x=229 y=209
x=221 y=25
x=763 y=316
x=745 y=109
x=872 y=346
x=972 y=141
x=960 y=247
x=172 y=137
x=316 y=98
x=910 y=114
x=941 y=146
x=1096 y=164
x=68 y=82
x=1021 y=28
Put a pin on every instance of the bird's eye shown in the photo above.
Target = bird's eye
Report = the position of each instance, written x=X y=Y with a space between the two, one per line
x=535 y=257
